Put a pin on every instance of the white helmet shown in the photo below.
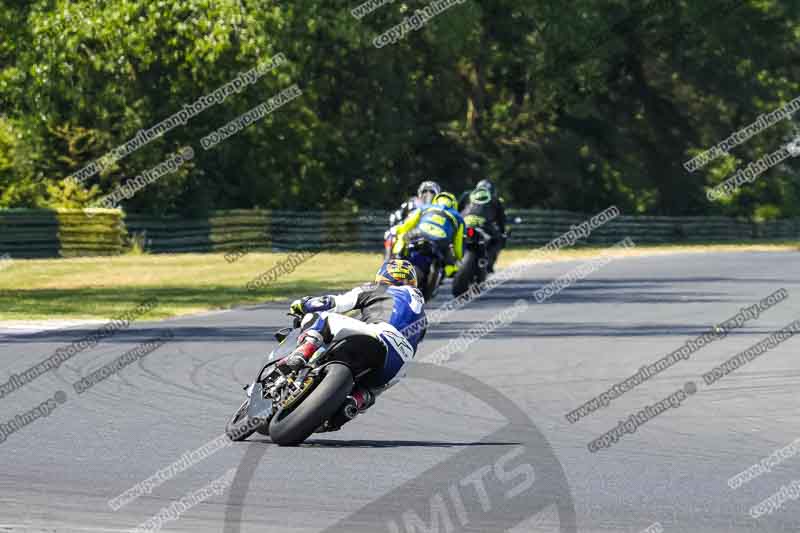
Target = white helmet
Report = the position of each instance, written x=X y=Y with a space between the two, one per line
x=428 y=187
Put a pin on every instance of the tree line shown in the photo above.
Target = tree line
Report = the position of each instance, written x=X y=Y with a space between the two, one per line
x=575 y=106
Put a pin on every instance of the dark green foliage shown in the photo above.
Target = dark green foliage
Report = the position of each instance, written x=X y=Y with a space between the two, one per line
x=569 y=105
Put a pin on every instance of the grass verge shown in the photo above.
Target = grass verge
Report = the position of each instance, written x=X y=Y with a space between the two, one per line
x=103 y=287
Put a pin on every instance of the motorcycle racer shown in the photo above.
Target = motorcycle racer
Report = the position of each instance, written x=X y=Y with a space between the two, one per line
x=439 y=223
x=425 y=194
x=391 y=309
x=483 y=207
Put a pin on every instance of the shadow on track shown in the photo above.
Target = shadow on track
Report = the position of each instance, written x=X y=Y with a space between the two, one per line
x=325 y=443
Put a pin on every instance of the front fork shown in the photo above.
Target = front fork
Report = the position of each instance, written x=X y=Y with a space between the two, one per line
x=258 y=407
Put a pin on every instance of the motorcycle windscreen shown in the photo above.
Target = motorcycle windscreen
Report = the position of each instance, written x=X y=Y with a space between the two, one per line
x=286 y=346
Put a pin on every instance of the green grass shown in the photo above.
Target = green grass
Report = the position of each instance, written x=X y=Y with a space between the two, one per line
x=102 y=287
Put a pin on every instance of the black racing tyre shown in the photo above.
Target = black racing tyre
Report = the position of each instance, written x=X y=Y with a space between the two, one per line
x=241 y=426
x=482 y=263
x=422 y=283
x=290 y=428
x=434 y=280
x=466 y=274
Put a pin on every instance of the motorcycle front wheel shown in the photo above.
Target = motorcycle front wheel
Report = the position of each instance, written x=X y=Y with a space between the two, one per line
x=241 y=426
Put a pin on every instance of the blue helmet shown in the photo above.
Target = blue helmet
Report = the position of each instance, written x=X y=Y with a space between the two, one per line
x=397 y=272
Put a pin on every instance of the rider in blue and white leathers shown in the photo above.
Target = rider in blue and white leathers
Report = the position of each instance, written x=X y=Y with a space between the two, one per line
x=390 y=309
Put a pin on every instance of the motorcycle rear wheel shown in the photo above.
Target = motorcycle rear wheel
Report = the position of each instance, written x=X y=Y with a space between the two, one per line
x=422 y=283
x=290 y=427
x=466 y=275
x=434 y=280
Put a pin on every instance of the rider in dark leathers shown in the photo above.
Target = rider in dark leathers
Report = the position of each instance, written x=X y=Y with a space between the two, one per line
x=483 y=206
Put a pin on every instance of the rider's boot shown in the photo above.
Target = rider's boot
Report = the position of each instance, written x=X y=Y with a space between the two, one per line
x=363 y=398
x=307 y=345
x=494 y=252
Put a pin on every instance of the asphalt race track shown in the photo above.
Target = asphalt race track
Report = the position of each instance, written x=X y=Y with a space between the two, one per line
x=480 y=443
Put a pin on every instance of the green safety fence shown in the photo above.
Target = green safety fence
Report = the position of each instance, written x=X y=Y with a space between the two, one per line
x=72 y=233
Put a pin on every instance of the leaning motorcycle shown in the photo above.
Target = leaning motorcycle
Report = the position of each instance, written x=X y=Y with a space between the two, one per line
x=316 y=398
x=475 y=263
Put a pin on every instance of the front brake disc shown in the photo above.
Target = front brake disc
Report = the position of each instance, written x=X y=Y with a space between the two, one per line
x=297 y=395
